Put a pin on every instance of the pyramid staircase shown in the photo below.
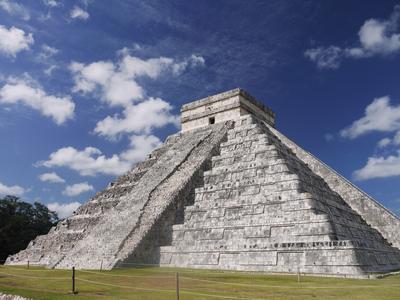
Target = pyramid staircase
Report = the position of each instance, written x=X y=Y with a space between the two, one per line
x=136 y=211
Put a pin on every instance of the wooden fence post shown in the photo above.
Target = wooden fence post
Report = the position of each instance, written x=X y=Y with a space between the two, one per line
x=73 y=280
x=177 y=286
x=298 y=275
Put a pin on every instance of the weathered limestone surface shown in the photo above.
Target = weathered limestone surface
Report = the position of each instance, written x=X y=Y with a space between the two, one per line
x=227 y=192
x=263 y=209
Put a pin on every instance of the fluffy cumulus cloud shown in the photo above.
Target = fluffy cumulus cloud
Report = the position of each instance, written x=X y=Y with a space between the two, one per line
x=380 y=115
x=375 y=37
x=29 y=93
x=116 y=84
x=379 y=167
x=142 y=117
x=14 y=40
x=91 y=162
x=51 y=177
x=87 y=162
x=77 y=189
x=63 y=210
x=14 y=190
x=78 y=13
x=15 y=9
x=140 y=146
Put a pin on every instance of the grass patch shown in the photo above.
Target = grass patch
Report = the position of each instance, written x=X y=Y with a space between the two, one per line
x=159 y=283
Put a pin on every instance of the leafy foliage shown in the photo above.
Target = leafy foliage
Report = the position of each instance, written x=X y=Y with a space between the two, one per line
x=21 y=222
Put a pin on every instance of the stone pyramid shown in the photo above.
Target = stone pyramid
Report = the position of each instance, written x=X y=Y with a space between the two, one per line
x=227 y=192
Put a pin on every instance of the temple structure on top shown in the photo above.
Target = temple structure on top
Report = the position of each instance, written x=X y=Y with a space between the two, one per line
x=223 y=107
x=227 y=192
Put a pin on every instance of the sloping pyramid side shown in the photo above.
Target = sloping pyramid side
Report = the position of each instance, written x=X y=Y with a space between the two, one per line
x=116 y=223
x=263 y=209
x=374 y=213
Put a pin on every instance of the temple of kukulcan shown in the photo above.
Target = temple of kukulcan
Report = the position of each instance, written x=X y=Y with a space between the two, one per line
x=229 y=191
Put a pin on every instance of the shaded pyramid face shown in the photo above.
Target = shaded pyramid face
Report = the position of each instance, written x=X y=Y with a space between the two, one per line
x=263 y=209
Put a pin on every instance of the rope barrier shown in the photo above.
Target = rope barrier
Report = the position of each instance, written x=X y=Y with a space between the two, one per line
x=187 y=291
x=287 y=286
x=124 y=286
x=21 y=268
x=123 y=275
x=35 y=277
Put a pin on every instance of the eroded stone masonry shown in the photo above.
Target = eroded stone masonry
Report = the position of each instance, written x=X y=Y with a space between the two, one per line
x=227 y=192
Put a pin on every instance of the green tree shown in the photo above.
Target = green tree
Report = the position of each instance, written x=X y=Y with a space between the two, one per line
x=21 y=222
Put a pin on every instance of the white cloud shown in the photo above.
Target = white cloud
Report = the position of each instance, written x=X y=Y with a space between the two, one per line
x=91 y=162
x=376 y=37
x=14 y=190
x=380 y=115
x=116 y=85
x=384 y=142
x=49 y=70
x=51 y=177
x=325 y=58
x=396 y=139
x=47 y=51
x=379 y=167
x=63 y=210
x=116 y=82
x=79 y=13
x=141 y=146
x=14 y=40
x=15 y=9
x=193 y=61
x=387 y=141
x=51 y=3
x=143 y=117
x=60 y=109
x=77 y=189
x=88 y=162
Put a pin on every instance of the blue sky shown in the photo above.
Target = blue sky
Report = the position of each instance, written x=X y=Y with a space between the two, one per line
x=88 y=88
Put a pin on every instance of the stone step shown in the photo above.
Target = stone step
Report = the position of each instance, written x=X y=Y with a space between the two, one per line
x=238 y=149
x=229 y=159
